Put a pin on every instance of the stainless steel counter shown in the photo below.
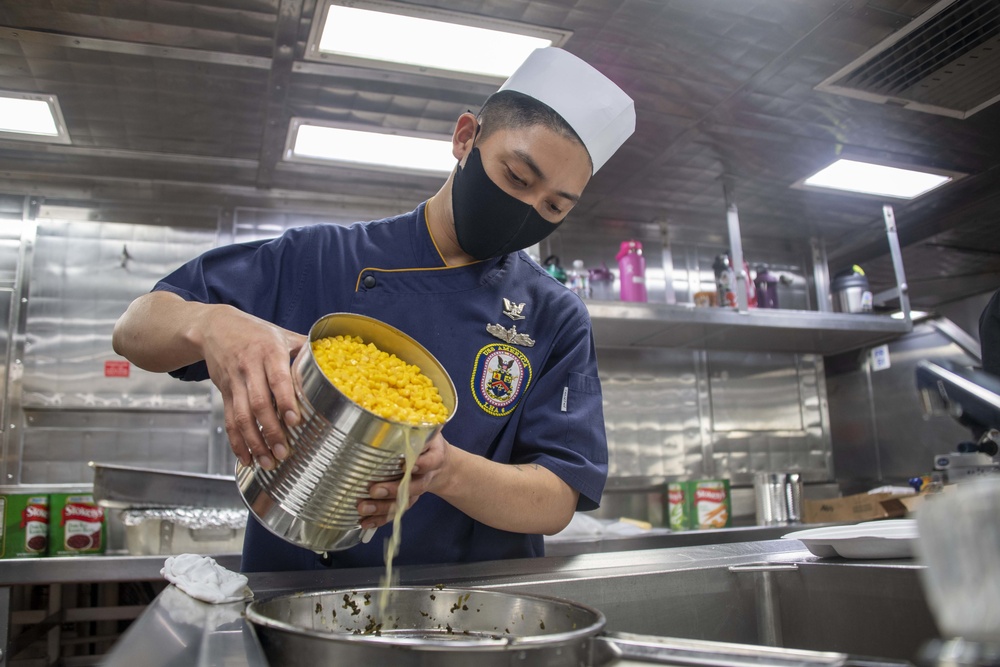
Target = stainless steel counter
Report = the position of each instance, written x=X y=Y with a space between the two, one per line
x=178 y=631
x=90 y=569
x=667 y=540
x=54 y=572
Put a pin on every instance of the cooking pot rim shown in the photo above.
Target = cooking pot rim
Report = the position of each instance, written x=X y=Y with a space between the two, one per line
x=506 y=642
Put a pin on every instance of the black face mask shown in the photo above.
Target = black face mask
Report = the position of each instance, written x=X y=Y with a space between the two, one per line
x=488 y=221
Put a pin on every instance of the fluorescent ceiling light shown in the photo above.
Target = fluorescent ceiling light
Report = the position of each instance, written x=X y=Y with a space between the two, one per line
x=313 y=143
x=876 y=179
x=32 y=117
x=914 y=315
x=428 y=39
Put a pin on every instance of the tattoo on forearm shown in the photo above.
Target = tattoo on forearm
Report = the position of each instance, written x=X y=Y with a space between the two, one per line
x=533 y=466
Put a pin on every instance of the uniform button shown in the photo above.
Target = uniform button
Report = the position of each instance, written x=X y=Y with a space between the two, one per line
x=368 y=281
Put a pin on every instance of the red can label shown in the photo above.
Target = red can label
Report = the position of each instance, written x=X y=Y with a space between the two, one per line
x=35 y=522
x=82 y=523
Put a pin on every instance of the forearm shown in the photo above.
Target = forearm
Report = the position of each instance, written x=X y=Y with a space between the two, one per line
x=159 y=332
x=524 y=498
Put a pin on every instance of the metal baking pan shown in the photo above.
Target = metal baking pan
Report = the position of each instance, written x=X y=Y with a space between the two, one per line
x=125 y=487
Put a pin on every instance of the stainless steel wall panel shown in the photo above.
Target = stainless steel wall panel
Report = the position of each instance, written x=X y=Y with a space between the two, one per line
x=59 y=443
x=78 y=277
x=755 y=392
x=767 y=413
x=85 y=275
x=6 y=301
x=651 y=412
x=673 y=414
x=10 y=246
x=879 y=430
x=12 y=425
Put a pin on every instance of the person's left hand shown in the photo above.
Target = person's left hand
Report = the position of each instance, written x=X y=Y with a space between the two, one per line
x=380 y=507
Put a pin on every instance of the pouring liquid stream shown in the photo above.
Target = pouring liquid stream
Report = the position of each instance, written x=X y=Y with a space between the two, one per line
x=410 y=454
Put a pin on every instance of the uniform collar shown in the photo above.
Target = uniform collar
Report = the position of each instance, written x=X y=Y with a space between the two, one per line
x=426 y=253
x=425 y=270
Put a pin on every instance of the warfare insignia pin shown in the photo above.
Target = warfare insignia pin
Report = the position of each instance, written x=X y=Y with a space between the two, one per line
x=513 y=310
x=499 y=377
x=510 y=335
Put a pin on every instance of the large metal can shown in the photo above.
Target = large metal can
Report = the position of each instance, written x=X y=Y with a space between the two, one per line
x=338 y=448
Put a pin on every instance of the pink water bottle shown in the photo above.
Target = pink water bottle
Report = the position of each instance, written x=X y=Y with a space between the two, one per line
x=632 y=267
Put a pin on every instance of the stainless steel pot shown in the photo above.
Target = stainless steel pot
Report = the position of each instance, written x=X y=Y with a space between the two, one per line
x=425 y=626
x=339 y=448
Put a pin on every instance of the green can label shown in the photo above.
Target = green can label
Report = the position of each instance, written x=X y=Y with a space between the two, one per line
x=77 y=525
x=699 y=504
x=678 y=507
x=24 y=532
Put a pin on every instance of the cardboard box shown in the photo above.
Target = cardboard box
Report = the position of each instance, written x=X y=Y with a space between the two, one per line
x=859 y=507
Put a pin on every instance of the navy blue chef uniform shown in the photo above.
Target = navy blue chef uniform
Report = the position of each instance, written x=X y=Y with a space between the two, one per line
x=516 y=404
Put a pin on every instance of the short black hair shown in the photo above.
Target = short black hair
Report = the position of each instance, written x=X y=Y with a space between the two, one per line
x=509 y=109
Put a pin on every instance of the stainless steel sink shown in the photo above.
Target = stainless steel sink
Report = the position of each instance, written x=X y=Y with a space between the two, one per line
x=757 y=604
x=872 y=609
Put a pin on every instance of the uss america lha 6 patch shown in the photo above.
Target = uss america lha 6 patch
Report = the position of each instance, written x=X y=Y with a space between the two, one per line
x=499 y=377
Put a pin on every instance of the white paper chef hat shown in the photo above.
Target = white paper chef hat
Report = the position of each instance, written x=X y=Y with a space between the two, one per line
x=598 y=111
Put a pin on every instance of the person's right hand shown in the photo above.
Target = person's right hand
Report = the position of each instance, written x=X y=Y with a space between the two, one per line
x=249 y=361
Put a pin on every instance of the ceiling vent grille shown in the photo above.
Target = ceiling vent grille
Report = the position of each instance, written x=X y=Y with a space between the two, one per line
x=946 y=61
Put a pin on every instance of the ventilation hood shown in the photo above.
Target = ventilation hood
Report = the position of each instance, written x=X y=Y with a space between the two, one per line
x=946 y=62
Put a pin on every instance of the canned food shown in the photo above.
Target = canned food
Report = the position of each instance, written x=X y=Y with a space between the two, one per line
x=699 y=504
x=339 y=448
x=78 y=525
x=24 y=530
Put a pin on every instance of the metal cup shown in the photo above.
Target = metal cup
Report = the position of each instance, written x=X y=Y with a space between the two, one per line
x=779 y=498
x=338 y=448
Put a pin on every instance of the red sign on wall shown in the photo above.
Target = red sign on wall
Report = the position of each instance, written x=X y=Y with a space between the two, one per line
x=116 y=369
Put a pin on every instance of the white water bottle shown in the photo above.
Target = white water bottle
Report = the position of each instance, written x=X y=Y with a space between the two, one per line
x=578 y=279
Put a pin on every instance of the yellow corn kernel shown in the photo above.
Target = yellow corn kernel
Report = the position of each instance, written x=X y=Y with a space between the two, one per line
x=379 y=382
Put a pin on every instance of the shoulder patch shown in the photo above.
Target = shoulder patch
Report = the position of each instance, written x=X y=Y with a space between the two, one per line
x=500 y=375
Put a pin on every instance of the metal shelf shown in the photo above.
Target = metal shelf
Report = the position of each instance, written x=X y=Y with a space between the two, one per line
x=619 y=324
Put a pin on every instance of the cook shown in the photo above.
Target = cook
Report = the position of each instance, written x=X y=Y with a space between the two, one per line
x=527 y=446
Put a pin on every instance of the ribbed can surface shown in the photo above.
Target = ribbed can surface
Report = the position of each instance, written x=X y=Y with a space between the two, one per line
x=338 y=449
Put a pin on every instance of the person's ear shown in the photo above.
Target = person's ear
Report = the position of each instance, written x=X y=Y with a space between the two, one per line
x=464 y=136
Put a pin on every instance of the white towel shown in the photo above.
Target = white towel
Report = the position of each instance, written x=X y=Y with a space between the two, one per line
x=202 y=578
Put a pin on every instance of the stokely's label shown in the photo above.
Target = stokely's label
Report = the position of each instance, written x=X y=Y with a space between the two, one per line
x=35 y=523
x=82 y=522
x=710 y=495
x=500 y=375
x=712 y=505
